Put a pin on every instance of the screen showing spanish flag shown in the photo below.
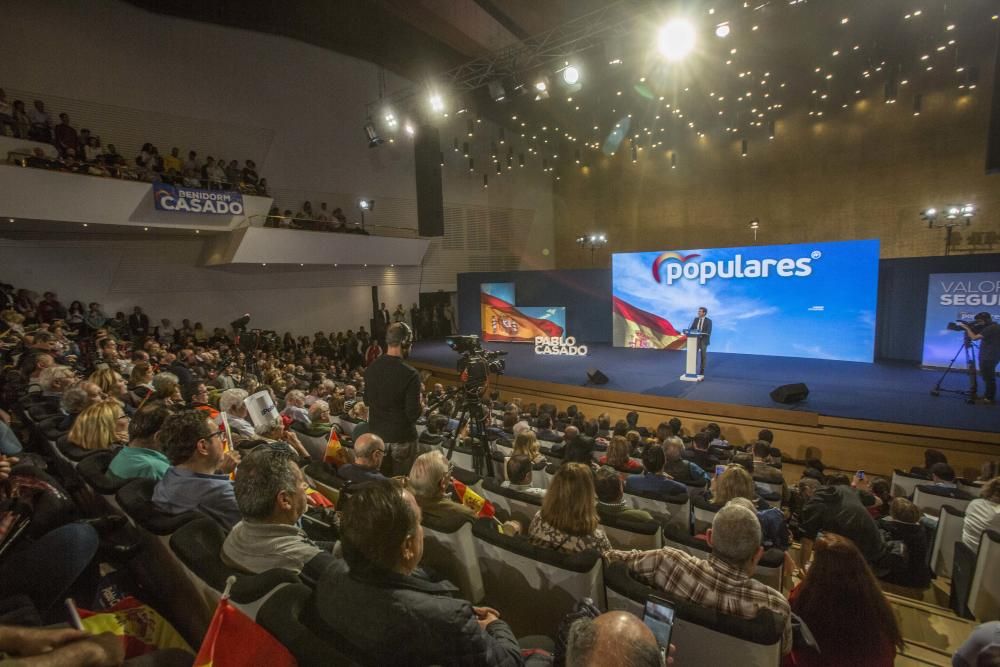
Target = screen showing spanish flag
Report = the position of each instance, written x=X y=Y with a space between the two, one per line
x=502 y=321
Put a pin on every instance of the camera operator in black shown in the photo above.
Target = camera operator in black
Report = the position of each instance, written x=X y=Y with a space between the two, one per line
x=989 y=351
x=392 y=393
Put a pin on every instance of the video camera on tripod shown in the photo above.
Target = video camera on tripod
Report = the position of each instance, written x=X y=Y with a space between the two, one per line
x=968 y=348
x=476 y=363
x=976 y=326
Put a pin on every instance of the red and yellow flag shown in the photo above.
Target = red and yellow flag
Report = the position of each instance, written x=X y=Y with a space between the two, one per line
x=317 y=499
x=335 y=454
x=141 y=628
x=502 y=321
x=474 y=501
x=634 y=327
x=233 y=640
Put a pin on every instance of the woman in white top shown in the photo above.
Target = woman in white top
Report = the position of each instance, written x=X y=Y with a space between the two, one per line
x=982 y=514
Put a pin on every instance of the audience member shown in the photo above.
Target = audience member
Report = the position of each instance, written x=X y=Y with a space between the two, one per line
x=232 y=403
x=844 y=608
x=369 y=450
x=100 y=426
x=699 y=454
x=271 y=495
x=838 y=509
x=384 y=596
x=982 y=514
x=519 y=470
x=903 y=526
x=736 y=482
x=931 y=456
x=198 y=478
x=613 y=639
x=981 y=649
x=611 y=497
x=143 y=457
x=568 y=519
x=723 y=581
x=652 y=479
x=618 y=456
x=684 y=471
x=526 y=444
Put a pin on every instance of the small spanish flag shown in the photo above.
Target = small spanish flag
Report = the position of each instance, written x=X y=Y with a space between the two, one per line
x=335 y=454
x=233 y=639
x=474 y=501
x=317 y=499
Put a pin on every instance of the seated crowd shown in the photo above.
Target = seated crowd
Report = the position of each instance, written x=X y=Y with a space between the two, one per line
x=170 y=405
x=321 y=220
x=80 y=151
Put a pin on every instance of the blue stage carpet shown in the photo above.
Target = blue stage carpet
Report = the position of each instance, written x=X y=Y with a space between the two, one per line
x=882 y=391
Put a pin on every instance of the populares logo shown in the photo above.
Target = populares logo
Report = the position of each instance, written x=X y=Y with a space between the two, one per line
x=672 y=266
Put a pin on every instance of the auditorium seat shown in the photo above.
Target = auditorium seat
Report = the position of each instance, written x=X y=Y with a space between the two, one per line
x=314 y=444
x=949 y=531
x=450 y=549
x=627 y=534
x=972 y=489
x=469 y=478
x=549 y=471
x=499 y=466
x=702 y=513
x=674 y=511
x=93 y=469
x=286 y=615
x=519 y=505
x=903 y=484
x=538 y=477
x=534 y=587
x=136 y=500
x=198 y=545
x=930 y=503
x=462 y=457
x=767 y=489
x=984 y=593
x=702 y=636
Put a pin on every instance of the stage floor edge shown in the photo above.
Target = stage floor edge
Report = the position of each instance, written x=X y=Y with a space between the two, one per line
x=893 y=393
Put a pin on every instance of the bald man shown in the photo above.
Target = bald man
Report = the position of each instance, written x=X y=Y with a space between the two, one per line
x=614 y=639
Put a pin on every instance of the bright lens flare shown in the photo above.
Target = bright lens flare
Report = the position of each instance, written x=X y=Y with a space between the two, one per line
x=676 y=39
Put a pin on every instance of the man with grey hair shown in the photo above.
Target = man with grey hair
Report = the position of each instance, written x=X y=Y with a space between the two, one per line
x=682 y=470
x=76 y=398
x=271 y=495
x=723 y=581
x=231 y=401
x=369 y=450
x=613 y=639
x=295 y=402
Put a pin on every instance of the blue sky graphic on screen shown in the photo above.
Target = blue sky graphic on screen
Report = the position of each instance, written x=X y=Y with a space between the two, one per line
x=956 y=296
x=814 y=300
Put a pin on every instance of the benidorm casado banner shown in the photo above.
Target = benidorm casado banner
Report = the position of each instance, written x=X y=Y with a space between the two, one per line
x=168 y=197
x=814 y=300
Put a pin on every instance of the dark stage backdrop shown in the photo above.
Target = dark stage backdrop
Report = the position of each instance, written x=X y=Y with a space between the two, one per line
x=586 y=294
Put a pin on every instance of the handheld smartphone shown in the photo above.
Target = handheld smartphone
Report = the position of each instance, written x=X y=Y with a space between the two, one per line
x=860 y=474
x=658 y=615
x=719 y=470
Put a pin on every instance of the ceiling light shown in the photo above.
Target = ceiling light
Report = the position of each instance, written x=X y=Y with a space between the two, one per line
x=676 y=39
x=541 y=86
x=571 y=75
x=722 y=30
x=409 y=129
x=436 y=102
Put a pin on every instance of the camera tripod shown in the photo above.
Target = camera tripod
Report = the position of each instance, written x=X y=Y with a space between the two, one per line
x=470 y=412
x=968 y=346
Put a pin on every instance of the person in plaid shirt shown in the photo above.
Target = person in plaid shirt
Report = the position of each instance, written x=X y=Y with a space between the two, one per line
x=723 y=581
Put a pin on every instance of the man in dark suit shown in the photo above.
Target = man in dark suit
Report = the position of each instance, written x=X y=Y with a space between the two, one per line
x=702 y=324
x=382 y=321
x=138 y=323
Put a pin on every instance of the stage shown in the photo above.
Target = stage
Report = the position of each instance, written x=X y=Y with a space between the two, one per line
x=896 y=393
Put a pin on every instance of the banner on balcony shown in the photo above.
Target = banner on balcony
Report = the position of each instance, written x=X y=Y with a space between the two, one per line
x=196 y=200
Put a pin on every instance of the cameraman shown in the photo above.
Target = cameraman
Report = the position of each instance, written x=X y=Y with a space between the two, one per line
x=392 y=392
x=989 y=352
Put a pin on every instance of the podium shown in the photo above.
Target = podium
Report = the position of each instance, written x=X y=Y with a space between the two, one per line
x=691 y=366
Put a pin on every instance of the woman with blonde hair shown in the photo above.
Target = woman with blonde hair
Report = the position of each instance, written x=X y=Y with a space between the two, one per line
x=568 y=520
x=112 y=384
x=100 y=426
x=526 y=443
x=736 y=482
x=618 y=456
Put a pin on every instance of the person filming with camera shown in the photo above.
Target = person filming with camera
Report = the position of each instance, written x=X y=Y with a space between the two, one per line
x=392 y=393
x=987 y=331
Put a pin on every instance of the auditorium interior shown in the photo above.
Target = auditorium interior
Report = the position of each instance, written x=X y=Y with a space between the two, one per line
x=395 y=254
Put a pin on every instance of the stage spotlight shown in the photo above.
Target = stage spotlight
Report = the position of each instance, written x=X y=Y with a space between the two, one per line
x=409 y=129
x=929 y=215
x=968 y=210
x=571 y=75
x=497 y=91
x=675 y=40
x=390 y=119
x=436 y=102
x=366 y=204
x=373 y=139
x=952 y=212
x=541 y=86
x=722 y=30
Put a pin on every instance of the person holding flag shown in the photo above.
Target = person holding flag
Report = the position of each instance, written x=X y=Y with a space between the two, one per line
x=431 y=482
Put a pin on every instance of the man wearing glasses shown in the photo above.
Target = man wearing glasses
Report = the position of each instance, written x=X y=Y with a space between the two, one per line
x=369 y=451
x=198 y=478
